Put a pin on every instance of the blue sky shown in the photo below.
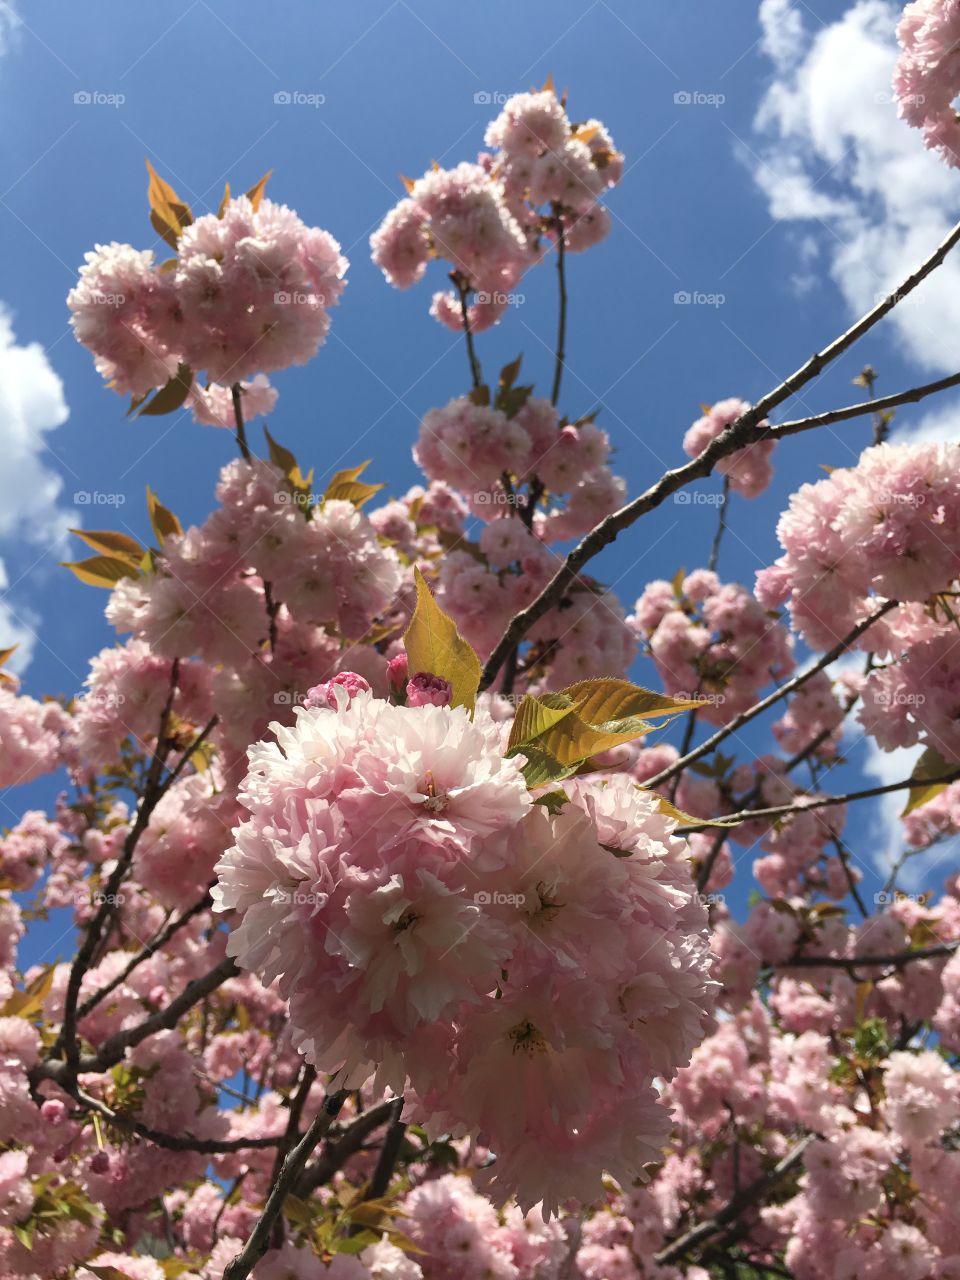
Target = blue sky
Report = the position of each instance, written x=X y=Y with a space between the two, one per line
x=785 y=188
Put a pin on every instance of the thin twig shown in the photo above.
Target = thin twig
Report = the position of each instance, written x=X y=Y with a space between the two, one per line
x=790 y=686
x=259 y=1239
x=721 y=526
x=823 y=802
x=561 y=355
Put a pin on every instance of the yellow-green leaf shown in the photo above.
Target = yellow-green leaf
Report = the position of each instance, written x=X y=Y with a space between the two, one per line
x=346 y=486
x=171 y=396
x=284 y=460
x=354 y=491
x=608 y=699
x=112 y=544
x=164 y=522
x=930 y=765
x=22 y=1004
x=168 y=213
x=7 y=654
x=573 y=739
x=535 y=716
x=225 y=201
x=255 y=194
x=434 y=644
x=101 y=571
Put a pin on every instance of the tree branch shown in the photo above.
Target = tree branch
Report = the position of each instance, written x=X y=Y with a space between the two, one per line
x=790 y=686
x=746 y=430
x=259 y=1239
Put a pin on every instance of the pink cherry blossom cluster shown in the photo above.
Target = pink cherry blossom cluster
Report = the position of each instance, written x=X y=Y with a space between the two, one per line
x=711 y=640
x=248 y=292
x=748 y=470
x=882 y=530
x=542 y=179
x=926 y=80
x=429 y=923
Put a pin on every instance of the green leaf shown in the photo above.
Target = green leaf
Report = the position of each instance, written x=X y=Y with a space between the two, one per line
x=553 y=801
x=171 y=396
x=165 y=523
x=434 y=645
x=930 y=765
x=101 y=571
x=480 y=395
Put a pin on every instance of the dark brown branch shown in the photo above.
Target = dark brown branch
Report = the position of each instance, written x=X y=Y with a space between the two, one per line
x=750 y=1195
x=259 y=1239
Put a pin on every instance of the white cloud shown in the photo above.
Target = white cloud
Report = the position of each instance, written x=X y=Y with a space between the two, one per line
x=31 y=405
x=941 y=424
x=835 y=158
x=9 y=21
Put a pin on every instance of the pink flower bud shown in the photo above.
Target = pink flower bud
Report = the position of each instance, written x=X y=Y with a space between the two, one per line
x=397 y=669
x=426 y=690
x=53 y=1110
x=324 y=695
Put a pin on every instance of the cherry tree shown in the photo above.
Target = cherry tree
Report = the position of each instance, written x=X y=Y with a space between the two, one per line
x=402 y=941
